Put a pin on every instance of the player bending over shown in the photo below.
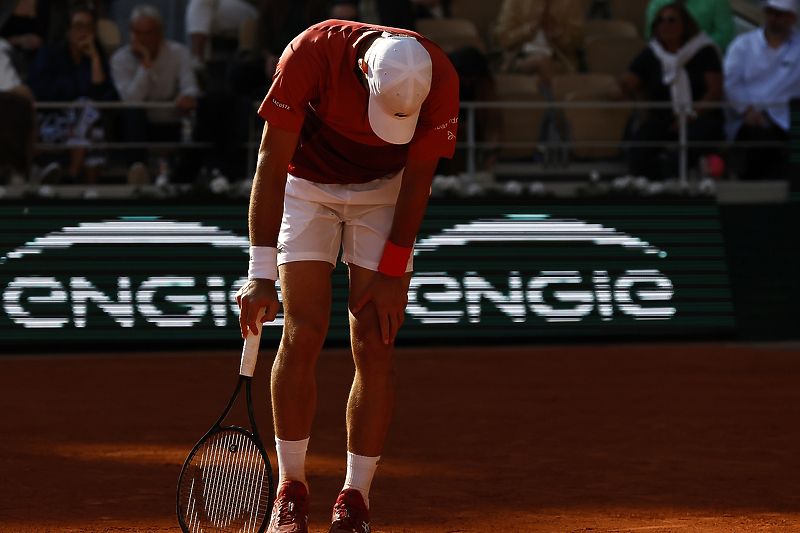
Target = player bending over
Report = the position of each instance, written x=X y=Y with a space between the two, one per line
x=359 y=115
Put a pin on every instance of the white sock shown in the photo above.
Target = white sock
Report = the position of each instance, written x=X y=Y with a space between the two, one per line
x=360 y=470
x=291 y=460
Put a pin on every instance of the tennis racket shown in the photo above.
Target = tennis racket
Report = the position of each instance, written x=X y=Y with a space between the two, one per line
x=226 y=482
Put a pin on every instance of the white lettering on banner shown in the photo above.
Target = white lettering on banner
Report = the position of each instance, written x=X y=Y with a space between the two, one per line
x=477 y=288
x=433 y=298
x=560 y=305
x=452 y=294
x=217 y=299
x=535 y=296
x=13 y=294
x=547 y=295
x=196 y=303
x=82 y=292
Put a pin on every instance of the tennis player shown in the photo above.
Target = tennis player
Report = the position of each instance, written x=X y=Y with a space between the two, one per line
x=359 y=115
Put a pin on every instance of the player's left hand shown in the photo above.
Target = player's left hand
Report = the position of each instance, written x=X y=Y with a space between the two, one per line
x=389 y=294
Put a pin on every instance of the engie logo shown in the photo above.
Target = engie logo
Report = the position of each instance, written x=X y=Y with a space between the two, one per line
x=137 y=272
x=146 y=250
x=460 y=292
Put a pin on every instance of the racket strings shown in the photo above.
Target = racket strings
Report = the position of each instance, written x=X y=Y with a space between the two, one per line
x=225 y=486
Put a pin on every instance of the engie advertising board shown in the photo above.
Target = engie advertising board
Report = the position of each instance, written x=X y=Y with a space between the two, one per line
x=483 y=271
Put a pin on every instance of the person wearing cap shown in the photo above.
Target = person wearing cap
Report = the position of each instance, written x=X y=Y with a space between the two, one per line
x=763 y=66
x=357 y=118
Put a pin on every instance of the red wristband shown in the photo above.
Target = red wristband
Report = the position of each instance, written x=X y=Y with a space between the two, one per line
x=394 y=259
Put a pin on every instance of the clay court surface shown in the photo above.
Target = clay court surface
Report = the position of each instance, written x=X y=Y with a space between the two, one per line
x=651 y=438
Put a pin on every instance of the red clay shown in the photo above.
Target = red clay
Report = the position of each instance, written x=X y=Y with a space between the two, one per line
x=654 y=438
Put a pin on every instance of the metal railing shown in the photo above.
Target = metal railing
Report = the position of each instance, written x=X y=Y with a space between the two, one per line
x=682 y=145
x=122 y=106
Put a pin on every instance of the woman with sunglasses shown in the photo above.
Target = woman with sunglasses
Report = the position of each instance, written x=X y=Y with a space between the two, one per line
x=714 y=17
x=683 y=66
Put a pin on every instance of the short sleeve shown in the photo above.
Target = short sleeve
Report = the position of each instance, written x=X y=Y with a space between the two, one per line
x=294 y=85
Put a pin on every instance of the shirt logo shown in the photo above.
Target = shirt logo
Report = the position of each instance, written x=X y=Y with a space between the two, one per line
x=453 y=120
x=281 y=105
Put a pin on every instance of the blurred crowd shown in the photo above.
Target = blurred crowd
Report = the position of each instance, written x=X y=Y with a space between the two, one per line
x=682 y=54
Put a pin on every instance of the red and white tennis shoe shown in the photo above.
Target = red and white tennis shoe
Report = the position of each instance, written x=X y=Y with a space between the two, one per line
x=290 y=512
x=350 y=513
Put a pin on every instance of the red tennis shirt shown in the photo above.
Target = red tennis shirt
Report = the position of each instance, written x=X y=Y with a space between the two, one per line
x=317 y=92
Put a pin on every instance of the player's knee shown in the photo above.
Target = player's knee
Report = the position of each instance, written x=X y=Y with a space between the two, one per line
x=372 y=356
x=304 y=337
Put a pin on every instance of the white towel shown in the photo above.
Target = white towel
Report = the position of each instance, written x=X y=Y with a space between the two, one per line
x=674 y=71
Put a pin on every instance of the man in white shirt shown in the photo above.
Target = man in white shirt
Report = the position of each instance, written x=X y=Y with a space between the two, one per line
x=9 y=78
x=153 y=69
x=763 y=66
x=209 y=18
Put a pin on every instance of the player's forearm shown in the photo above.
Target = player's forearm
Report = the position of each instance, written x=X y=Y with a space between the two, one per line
x=412 y=201
x=269 y=182
x=266 y=209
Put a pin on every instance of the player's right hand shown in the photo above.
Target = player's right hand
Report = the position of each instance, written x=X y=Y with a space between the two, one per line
x=254 y=295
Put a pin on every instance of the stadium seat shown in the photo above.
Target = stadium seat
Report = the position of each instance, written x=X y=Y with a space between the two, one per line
x=451 y=33
x=630 y=10
x=109 y=35
x=600 y=27
x=482 y=13
x=520 y=124
x=564 y=84
x=595 y=124
x=611 y=54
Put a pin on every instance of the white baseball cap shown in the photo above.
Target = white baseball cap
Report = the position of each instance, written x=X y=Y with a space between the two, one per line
x=782 y=5
x=399 y=79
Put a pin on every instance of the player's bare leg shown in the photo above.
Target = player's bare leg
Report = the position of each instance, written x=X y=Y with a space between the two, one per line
x=306 y=294
x=369 y=409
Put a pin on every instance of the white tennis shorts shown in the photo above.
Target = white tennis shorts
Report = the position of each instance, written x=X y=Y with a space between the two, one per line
x=320 y=219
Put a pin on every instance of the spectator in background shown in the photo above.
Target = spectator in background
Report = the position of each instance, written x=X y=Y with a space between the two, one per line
x=680 y=65
x=10 y=80
x=152 y=69
x=278 y=23
x=17 y=131
x=763 y=66
x=540 y=36
x=74 y=70
x=30 y=25
x=213 y=27
x=714 y=17
x=476 y=84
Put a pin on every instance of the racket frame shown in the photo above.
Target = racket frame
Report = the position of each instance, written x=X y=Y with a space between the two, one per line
x=256 y=438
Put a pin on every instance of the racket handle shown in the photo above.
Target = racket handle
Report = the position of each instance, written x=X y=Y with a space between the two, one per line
x=250 y=348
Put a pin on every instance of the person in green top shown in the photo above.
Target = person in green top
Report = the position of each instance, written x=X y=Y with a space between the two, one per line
x=713 y=16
